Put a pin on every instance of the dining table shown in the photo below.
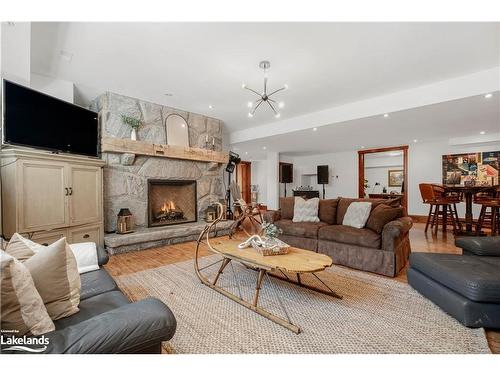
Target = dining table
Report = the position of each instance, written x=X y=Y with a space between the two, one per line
x=468 y=192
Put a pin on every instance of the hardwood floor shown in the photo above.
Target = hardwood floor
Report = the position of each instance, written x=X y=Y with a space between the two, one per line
x=124 y=264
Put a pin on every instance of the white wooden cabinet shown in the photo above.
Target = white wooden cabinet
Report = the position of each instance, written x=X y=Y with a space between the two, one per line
x=41 y=195
x=85 y=194
x=48 y=196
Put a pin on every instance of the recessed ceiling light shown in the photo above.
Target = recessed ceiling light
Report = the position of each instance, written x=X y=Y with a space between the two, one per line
x=277 y=115
x=362 y=146
x=415 y=140
x=482 y=132
x=250 y=114
x=281 y=104
x=264 y=147
x=489 y=95
x=246 y=152
x=250 y=104
x=315 y=129
x=386 y=115
x=211 y=106
x=243 y=85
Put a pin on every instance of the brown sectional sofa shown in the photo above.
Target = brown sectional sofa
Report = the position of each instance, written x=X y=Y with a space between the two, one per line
x=366 y=249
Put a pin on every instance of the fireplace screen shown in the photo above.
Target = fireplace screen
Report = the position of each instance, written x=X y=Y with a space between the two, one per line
x=171 y=202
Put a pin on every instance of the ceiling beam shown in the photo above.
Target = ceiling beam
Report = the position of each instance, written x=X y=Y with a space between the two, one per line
x=456 y=88
x=479 y=139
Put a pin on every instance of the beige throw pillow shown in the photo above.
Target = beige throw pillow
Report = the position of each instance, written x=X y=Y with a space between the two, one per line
x=21 y=248
x=305 y=210
x=22 y=307
x=357 y=214
x=56 y=278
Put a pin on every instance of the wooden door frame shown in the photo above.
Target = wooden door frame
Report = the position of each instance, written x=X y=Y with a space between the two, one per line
x=361 y=170
x=248 y=165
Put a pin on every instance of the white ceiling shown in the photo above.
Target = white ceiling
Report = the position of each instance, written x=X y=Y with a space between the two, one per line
x=458 y=118
x=324 y=64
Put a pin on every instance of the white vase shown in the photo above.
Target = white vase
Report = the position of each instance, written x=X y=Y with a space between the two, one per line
x=133 y=134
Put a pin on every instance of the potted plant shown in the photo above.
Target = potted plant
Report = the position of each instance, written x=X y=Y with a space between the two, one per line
x=134 y=124
x=270 y=230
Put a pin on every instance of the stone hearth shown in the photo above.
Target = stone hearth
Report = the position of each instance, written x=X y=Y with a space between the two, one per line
x=144 y=238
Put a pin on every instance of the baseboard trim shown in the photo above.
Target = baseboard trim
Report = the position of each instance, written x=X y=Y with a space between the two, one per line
x=419 y=218
x=423 y=219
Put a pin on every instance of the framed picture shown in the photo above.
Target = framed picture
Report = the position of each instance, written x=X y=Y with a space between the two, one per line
x=482 y=168
x=396 y=177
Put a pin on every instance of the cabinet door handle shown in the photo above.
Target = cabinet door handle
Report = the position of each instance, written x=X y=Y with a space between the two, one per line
x=70 y=191
x=67 y=191
x=86 y=236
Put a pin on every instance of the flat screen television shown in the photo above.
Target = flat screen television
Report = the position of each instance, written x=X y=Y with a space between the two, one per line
x=38 y=120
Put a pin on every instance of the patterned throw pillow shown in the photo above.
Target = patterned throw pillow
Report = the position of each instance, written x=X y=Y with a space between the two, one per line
x=305 y=210
x=22 y=307
x=357 y=214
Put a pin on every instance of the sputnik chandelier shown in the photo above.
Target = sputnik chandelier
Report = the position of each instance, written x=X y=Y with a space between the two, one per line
x=264 y=97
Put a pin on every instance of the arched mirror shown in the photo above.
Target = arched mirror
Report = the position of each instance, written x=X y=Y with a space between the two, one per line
x=176 y=129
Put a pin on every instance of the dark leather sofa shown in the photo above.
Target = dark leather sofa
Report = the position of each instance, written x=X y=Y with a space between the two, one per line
x=385 y=252
x=108 y=322
x=465 y=286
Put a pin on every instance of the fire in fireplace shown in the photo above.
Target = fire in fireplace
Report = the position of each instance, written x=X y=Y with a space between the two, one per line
x=171 y=202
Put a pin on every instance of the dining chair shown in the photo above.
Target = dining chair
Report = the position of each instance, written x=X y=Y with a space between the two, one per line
x=442 y=207
x=489 y=217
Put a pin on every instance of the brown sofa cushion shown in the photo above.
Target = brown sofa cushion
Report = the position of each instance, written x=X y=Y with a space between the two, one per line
x=307 y=230
x=349 y=235
x=345 y=202
x=327 y=212
x=381 y=215
x=286 y=207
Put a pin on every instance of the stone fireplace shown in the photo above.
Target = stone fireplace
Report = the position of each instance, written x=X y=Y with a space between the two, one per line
x=171 y=202
x=127 y=176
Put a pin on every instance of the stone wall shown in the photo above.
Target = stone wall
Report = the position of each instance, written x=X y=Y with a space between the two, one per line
x=126 y=175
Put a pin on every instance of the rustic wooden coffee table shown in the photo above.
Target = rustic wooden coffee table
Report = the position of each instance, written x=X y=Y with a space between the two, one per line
x=288 y=267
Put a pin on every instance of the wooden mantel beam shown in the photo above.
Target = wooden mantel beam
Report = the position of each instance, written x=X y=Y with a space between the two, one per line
x=122 y=146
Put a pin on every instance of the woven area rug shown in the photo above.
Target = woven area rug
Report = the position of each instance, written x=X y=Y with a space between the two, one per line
x=376 y=315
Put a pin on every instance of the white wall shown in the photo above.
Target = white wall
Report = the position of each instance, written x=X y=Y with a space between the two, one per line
x=272 y=176
x=377 y=170
x=259 y=178
x=380 y=175
x=16 y=52
x=424 y=165
x=343 y=170
x=55 y=87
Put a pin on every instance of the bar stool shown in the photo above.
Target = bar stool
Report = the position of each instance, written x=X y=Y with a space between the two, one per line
x=442 y=208
x=489 y=200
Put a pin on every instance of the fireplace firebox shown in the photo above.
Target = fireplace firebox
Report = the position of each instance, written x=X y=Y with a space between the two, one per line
x=171 y=202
